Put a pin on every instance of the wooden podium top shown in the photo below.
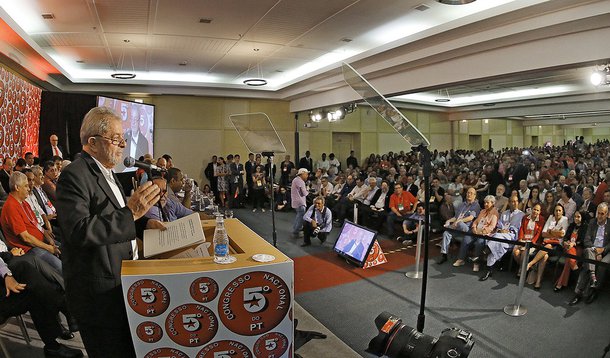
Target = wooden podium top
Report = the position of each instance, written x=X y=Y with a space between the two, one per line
x=243 y=241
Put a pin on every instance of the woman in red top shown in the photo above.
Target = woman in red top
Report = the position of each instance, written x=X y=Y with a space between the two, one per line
x=531 y=229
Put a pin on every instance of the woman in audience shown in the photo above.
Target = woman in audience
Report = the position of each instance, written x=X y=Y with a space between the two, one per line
x=529 y=203
x=568 y=203
x=221 y=172
x=548 y=204
x=258 y=189
x=554 y=230
x=530 y=230
x=532 y=175
x=482 y=187
x=572 y=244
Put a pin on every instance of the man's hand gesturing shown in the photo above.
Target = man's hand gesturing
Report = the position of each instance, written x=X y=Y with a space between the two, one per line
x=143 y=199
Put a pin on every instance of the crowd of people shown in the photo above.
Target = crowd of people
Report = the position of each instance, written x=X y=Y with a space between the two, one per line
x=555 y=196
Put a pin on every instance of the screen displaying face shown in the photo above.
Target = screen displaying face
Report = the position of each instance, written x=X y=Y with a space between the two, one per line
x=354 y=242
x=137 y=120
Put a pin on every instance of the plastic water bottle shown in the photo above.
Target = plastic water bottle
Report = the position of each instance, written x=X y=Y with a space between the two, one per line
x=221 y=243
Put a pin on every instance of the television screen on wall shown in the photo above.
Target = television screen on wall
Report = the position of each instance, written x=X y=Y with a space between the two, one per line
x=138 y=120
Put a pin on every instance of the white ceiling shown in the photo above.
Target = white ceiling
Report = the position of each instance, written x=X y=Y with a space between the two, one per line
x=502 y=50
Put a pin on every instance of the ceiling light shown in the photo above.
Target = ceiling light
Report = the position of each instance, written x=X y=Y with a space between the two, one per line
x=601 y=76
x=120 y=74
x=443 y=97
x=48 y=16
x=204 y=20
x=455 y=2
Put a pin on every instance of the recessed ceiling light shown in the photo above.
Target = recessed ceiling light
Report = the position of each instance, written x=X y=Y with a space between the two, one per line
x=204 y=20
x=48 y=16
x=80 y=61
x=422 y=7
x=455 y=2
x=346 y=39
x=183 y=63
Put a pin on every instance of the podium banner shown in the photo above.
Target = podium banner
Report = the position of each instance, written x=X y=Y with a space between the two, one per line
x=376 y=257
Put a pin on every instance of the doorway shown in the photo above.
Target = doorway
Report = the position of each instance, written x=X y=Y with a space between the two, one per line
x=343 y=143
x=475 y=142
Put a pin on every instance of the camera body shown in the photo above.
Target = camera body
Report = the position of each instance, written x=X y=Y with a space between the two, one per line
x=397 y=340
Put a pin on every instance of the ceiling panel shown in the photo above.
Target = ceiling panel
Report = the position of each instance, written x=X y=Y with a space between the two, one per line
x=92 y=56
x=118 y=16
x=68 y=39
x=70 y=15
x=190 y=43
x=169 y=60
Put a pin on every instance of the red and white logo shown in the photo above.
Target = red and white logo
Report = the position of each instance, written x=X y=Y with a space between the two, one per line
x=191 y=325
x=165 y=353
x=270 y=345
x=225 y=349
x=149 y=332
x=148 y=298
x=204 y=289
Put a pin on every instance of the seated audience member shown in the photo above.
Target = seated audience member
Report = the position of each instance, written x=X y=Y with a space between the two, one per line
x=533 y=199
x=402 y=204
x=141 y=174
x=530 y=230
x=29 y=159
x=501 y=200
x=5 y=173
x=20 y=164
x=282 y=199
x=50 y=180
x=596 y=247
x=554 y=230
x=462 y=220
x=507 y=229
x=28 y=290
x=175 y=183
x=3 y=196
x=336 y=191
x=374 y=214
x=20 y=226
x=548 y=204
x=317 y=222
x=588 y=205
x=484 y=224
x=410 y=227
x=568 y=204
x=357 y=194
x=447 y=210
x=572 y=244
x=346 y=188
x=44 y=224
x=326 y=188
x=162 y=163
x=166 y=210
x=41 y=197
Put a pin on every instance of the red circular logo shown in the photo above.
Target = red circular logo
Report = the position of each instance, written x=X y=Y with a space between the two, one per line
x=254 y=303
x=165 y=352
x=148 y=298
x=204 y=289
x=270 y=345
x=222 y=349
x=191 y=325
x=149 y=332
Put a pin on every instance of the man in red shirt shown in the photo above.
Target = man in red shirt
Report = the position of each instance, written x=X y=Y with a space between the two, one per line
x=402 y=204
x=20 y=225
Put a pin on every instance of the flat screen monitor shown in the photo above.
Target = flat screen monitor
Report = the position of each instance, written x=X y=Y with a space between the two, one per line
x=138 y=121
x=355 y=242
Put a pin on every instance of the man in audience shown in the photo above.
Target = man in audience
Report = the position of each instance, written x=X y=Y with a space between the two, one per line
x=249 y=167
x=166 y=210
x=175 y=183
x=507 y=229
x=209 y=172
x=464 y=216
x=43 y=220
x=28 y=290
x=306 y=162
x=286 y=167
x=41 y=197
x=410 y=185
x=20 y=164
x=601 y=189
x=317 y=222
x=99 y=226
x=162 y=163
x=237 y=185
x=170 y=161
x=596 y=247
x=402 y=204
x=53 y=150
x=358 y=194
x=50 y=180
x=349 y=185
x=21 y=228
x=29 y=159
x=501 y=200
x=323 y=163
x=351 y=160
x=298 y=196
x=5 y=173
x=374 y=214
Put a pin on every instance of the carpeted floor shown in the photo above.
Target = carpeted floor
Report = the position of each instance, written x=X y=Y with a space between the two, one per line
x=347 y=300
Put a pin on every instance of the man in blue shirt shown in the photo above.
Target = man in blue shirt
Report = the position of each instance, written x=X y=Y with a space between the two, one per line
x=167 y=209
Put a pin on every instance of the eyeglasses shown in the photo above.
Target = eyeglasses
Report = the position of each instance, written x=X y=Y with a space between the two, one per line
x=114 y=141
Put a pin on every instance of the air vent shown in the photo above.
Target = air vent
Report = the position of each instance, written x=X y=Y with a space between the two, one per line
x=346 y=39
x=422 y=7
x=183 y=63
x=48 y=16
x=80 y=61
x=204 y=20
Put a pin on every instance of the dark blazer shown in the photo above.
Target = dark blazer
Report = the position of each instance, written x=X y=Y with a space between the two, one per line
x=97 y=236
x=142 y=146
x=413 y=189
x=592 y=230
x=47 y=154
x=4 y=180
x=306 y=163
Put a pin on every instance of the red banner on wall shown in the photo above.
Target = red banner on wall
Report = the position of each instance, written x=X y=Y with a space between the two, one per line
x=19 y=115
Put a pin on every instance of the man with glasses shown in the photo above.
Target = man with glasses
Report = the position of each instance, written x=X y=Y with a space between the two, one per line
x=166 y=210
x=136 y=143
x=99 y=226
x=317 y=222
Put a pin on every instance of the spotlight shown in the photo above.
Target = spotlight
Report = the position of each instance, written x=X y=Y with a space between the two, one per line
x=600 y=76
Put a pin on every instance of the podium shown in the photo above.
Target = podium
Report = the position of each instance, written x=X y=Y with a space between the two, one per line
x=197 y=308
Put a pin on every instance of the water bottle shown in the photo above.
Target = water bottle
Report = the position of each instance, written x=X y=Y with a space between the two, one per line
x=221 y=243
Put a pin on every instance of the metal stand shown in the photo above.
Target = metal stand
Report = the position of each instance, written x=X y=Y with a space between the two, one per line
x=425 y=160
x=272 y=181
x=355 y=213
x=517 y=309
x=417 y=274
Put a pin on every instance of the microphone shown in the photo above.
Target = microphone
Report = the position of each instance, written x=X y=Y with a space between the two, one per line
x=132 y=162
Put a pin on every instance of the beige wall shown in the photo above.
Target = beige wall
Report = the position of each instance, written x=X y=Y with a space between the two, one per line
x=192 y=129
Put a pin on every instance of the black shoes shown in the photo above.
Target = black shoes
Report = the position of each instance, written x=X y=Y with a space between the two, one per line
x=591 y=297
x=442 y=259
x=306 y=244
x=66 y=334
x=575 y=300
x=557 y=289
x=486 y=276
x=61 y=351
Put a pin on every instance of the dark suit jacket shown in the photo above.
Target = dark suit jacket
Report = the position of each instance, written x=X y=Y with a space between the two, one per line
x=592 y=230
x=4 y=180
x=413 y=189
x=97 y=236
x=47 y=154
x=142 y=146
x=306 y=163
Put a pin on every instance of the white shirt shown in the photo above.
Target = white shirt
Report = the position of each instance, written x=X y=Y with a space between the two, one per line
x=119 y=197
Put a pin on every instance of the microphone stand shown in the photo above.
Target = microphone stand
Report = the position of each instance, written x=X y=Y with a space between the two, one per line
x=425 y=160
x=269 y=155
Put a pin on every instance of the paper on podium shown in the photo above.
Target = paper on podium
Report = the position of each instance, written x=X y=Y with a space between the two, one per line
x=180 y=233
x=257 y=132
x=383 y=107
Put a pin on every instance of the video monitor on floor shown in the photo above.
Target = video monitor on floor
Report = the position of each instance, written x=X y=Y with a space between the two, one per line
x=355 y=242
